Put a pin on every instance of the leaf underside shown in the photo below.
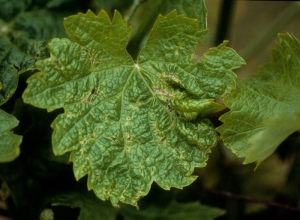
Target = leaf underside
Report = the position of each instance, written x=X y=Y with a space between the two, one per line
x=265 y=110
x=131 y=123
x=9 y=142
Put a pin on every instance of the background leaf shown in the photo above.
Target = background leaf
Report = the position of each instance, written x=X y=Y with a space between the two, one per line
x=9 y=142
x=174 y=211
x=265 y=109
x=25 y=28
x=151 y=9
x=91 y=208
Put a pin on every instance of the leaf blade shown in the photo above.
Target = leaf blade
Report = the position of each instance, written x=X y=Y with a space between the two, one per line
x=9 y=142
x=122 y=133
x=261 y=99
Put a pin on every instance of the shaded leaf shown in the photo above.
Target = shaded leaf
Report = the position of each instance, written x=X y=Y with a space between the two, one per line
x=131 y=123
x=174 y=211
x=91 y=208
x=265 y=110
x=9 y=142
x=40 y=24
x=8 y=78
x=17 y=55
x=20 y=45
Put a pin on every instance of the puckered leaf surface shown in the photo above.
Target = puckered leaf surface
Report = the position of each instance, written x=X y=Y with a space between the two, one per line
x=9 y=142
x=265 y=110
x=131 y=123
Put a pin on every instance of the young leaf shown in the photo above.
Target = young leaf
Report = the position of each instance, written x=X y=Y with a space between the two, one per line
x=131 y=123
x=265 y=110
x=9 y=142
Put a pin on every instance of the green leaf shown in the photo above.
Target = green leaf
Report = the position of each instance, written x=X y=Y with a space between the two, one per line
x=174 y=211
x=265 y=110
x=276 y=129
x=40 y=24
x=151 y=9
x=8 y=78
x=91 y=208
x=9 y=142
x=17 y=55
x=21 y=40
x=131 y=123
x=191 y=8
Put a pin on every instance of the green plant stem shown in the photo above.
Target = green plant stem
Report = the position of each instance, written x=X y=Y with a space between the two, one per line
x=133 y=8
x=282 y=20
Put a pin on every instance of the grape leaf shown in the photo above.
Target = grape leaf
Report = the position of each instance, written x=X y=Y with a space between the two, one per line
x=17 y=55
x=174 y=211
x=25 y=28
x=193 y=9
x=265 y=109
x=9 y=142
x=21 y=41
x=151 y=9
x=91 y=208
x=130 y=123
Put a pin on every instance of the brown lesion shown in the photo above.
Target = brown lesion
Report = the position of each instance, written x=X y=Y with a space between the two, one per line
x=163 y=139
x=93 y=136
x=36 y=57
x=169 y=106
x=94 y=92
x=17 y=67
x=128 y=137
x=113 y=138
x=84 y=141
